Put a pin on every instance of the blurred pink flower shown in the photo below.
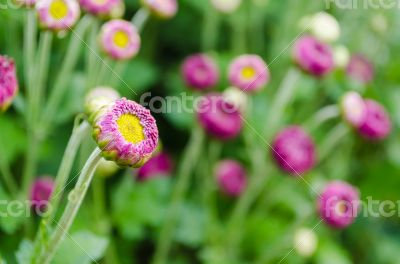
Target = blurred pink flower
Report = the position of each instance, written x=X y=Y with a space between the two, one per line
x=104 y=8
x=159 y=165
x=41 y=191
x=231 y=177
x=376 y=125
x=58 y=14
x=360 y=69
x=338 y=205
x=161 y=8
x=200 y=72
x=313 y=56
x=8 y=82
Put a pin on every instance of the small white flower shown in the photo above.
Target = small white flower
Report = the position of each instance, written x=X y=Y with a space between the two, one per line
x=341 y=56
x=237 y=98
x=305 y=242
x=323 y=26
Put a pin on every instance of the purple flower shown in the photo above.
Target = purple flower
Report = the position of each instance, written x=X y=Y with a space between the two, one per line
x=376 y=125
x=159 y=165
x=231 y=177
x=200 y=72
x=294 y=151
x=58 y=14
x=119 y=39
x=161 y=8
x=353 y=109
x=126 y=133
x=249 y=73
x=338 y=205
x=41 y=191
x=313 y=56
x=360 y=69
x=219 y=117
x=8 y=82
x=104 y=8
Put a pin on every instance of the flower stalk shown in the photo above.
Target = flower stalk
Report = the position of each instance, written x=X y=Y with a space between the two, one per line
x=190 y=156
x=75 y=199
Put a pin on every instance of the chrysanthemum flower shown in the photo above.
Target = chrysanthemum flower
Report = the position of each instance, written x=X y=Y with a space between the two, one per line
x=313 y=56
x=41 y=191
x=159 y=165
x=119 y=39
x=231 y=177
x=376 y=125
x=104 y=8
x=58 y=14
x=126 y=132
x=353 y=108
x=99 y=97
x=161 y=8
x=338 y=205
x=200 y=72
x=226 y=6
x=249 y=73
x=8 y=82
x=294 y=151
x=360 y=69
x=218 y=117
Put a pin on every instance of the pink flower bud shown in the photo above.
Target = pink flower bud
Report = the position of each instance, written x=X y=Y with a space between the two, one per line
x=231 y=177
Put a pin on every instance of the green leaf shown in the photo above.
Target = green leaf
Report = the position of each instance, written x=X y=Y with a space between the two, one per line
x=12 y=138
x=191 y=225
x=139 y=205
x=81 y=247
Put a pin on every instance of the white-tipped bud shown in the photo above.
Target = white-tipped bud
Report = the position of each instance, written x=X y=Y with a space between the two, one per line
x=99 y=97
x=341 y=56
x=236 y=97
x=305 y=242
x=323 y=26
x=226 y=6
x=106 y=168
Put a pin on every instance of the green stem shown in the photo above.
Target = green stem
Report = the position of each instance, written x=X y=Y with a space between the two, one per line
x=64 y=75
x=42 y=59
x=78 y=134
x=235 y=225
x=327 y=113
x=7 y=176
x=190 y=156
x=210 y=28
x=75 y=199
x=140 y=18
x=29 y=50
x=331 y=140
x=92 y=62
x=283 y=97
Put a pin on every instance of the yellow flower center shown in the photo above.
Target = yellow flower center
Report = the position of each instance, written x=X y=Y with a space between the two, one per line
x=58 y=9
x=248 y=72
x=121 y=39
x=341 y=208
x=130 y=128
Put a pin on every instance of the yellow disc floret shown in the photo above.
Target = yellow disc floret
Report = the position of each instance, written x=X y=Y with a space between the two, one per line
x=248 y=72
x=130 y=128
x=58 y=9
x=121 y=39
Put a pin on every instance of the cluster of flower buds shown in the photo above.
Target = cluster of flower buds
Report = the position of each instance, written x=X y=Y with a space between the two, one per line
x=368 y=116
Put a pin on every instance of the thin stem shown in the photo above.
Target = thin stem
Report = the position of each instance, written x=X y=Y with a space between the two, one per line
x=190 y=156
x=332 y=139
x=92 y=63
x=210 y=28
x=327 y=113
x=75 y=199
x=140 y=18
x=78 y=134
x=283 y=97
x=64 y=75
x=7 y=176
x=119 y=69
x=30 y=162
x=42 y=59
